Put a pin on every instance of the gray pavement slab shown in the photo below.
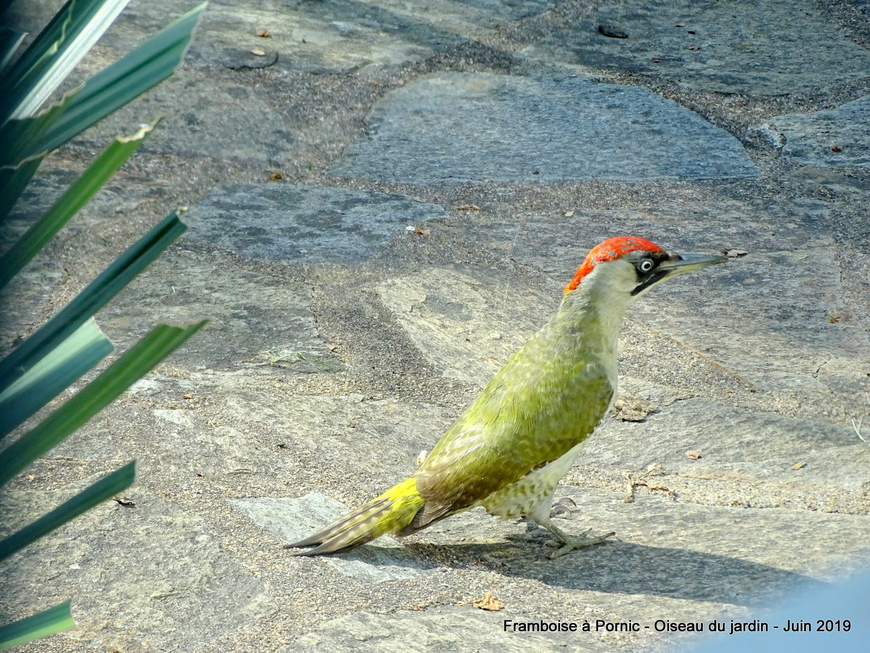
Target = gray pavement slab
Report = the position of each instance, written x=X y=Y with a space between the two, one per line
x=746 y=459
x=444 y=630
x=255 y=321
x=452 y=128
x=753 y=48
x=304 y=223
x=830 y=138
x=454 y=318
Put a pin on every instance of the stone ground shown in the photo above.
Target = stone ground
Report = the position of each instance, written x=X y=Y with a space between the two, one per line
x=444 y=167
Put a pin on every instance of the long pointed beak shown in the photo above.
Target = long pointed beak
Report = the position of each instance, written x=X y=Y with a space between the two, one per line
x=678 y=264
x=682 y=263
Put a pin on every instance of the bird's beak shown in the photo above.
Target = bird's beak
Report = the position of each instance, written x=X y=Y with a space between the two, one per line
x=681 y=263
x=678 y=264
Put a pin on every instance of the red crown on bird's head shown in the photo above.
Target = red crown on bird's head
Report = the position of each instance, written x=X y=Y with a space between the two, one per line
x=609 y=250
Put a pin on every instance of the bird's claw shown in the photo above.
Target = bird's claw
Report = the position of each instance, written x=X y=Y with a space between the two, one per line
x=581 y=541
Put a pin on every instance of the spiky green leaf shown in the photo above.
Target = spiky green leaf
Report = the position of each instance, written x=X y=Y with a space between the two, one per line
x=91 y=299
x=42 y=624
x=54 y=53
x=17 y=136
x=76 y=196
x=86 y=347
x=94 y=494
x=13 y=181
x=95 y=396
x=9 y=42
x=126 y=79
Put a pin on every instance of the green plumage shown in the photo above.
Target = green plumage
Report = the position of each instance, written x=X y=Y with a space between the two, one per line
x=544 y=401
x=540 y=405
x=513 y=445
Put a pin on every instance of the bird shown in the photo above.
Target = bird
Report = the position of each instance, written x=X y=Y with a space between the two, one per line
x=508 y=451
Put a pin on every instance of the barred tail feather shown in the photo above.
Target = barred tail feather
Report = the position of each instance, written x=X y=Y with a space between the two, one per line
x=389 y=513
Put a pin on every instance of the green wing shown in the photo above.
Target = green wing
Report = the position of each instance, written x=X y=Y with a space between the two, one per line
x=536 y=408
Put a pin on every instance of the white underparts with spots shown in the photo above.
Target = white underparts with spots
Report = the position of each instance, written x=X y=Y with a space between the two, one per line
x=532 y=495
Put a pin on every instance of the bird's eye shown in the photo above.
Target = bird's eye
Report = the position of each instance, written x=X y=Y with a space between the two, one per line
x=645 y=265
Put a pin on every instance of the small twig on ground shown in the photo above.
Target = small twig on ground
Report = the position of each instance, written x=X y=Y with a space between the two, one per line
x=857 y=427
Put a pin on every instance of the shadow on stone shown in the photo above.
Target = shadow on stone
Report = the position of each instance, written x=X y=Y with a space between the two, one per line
x=626 y=568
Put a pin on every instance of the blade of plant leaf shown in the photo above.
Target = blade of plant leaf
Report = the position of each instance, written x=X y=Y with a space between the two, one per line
x=135 y=363
x=54 y=53
x=94 y=494
x=41 y=624
x=10 y=40
x=13 y=181
x=137 y=257
x=76 y=196
x=126 y=79
x=55 y=372
x=17 y=136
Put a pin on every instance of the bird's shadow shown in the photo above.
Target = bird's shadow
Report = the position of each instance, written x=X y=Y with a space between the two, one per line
x=612 y=567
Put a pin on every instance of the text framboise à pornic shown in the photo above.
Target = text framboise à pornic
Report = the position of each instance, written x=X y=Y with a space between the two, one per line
x=665 y=626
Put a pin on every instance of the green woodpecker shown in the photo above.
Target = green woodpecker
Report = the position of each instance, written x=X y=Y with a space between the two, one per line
x=511 y=448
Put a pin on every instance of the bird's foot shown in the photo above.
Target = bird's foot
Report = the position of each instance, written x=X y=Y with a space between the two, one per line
x=580 y=541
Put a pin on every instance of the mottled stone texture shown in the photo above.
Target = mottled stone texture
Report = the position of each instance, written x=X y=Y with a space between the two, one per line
x=453 y=128
x=385 y=199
